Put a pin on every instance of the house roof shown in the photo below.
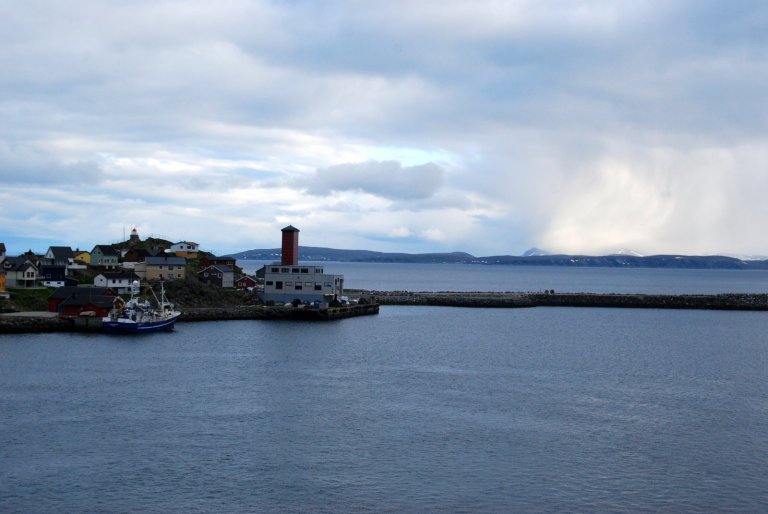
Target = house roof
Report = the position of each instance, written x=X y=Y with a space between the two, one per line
x=219 y=268
x=105 y=250
x=61 y=253
x=119 y=275
x=185 y=243
x=18 y=263
x=247 y=277
x=104 y=302
x=82 y=292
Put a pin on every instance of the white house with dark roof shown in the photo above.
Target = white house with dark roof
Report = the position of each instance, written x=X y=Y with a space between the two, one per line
x=185 y=249
x=119 y=281
x=20 y=272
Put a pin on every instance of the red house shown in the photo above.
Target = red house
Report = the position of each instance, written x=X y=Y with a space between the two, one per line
x=217 y=261
x=245 y=282
x=81 y=296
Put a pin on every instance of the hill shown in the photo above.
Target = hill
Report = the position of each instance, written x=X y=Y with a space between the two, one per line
x=309 y=253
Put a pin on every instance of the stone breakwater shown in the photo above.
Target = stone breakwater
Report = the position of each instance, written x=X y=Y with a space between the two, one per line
x=730 y=301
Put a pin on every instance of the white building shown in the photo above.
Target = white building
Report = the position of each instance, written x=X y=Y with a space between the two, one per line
x=306 y=283
x=119 y=282
x=287 y=281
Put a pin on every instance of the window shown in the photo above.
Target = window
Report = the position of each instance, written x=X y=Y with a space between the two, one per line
x=294 y=270
x=305 y=270
x=270 y=283
x=318 y=286
x=298 y=286
x=170 y=267
x=275 y=270
x=318 y=270
x=288 y=283
x=279 y=284
x=284 y=270
x=205 y=274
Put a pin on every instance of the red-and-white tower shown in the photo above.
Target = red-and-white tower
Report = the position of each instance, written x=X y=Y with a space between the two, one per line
x=290 y=255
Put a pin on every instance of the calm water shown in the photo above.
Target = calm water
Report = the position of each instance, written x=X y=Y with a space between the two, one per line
x=418 y=409
x=469 y=277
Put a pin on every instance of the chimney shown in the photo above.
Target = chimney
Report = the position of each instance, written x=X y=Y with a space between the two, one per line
x=290 y=255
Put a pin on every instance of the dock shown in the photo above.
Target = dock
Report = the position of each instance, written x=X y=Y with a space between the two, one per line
x=41 y=322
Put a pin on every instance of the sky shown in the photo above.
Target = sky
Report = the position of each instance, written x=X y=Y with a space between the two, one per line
x=575 y=126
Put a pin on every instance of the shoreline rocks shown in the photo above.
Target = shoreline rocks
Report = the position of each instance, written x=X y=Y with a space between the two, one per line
x=726 y=301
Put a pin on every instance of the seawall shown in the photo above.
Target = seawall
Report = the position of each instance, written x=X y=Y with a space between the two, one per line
x=21 y=323
x=730 y=301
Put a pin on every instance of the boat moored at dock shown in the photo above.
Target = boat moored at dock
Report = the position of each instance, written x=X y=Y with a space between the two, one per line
x=140 y=316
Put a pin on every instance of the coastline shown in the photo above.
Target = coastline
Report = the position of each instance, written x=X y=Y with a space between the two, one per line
x=19 y=323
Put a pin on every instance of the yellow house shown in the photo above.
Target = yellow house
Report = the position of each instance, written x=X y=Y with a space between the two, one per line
x=2 y=282
x=83 y=257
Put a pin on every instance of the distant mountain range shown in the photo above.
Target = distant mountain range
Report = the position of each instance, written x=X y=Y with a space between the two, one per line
x=533 y=257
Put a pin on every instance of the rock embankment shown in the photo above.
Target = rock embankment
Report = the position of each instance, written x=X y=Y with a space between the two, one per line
x=730 y=301
x=10 y=324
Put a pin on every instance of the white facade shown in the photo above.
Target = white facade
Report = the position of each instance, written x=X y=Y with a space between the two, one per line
x=184 y=246
x=307 y=283
x=120 y=283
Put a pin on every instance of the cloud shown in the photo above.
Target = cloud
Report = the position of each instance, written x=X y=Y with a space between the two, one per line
x=481 y=126
x=388 y=179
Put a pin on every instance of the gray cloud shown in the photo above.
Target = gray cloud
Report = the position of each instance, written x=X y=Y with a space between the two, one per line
x=388 y=179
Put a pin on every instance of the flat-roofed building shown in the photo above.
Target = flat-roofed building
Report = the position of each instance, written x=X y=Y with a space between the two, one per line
x=288 y=280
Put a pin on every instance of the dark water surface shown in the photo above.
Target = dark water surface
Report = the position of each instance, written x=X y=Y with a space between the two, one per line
x=418 y=409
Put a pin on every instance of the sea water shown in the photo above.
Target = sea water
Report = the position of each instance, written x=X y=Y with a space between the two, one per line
x=416 y=409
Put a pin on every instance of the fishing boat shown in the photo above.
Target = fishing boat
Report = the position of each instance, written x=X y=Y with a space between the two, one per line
x=140 y=316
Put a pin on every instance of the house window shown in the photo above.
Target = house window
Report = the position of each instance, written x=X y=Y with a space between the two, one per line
x=305 y=270
x=288 y=283
x=318 y=270
x=294 y=270
x=205 y=274
x=298 y=286
x=275 y=270
x=170 y=266
x=269 y=283
x=318 y=286
x=284 y=270
x=279 y=284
